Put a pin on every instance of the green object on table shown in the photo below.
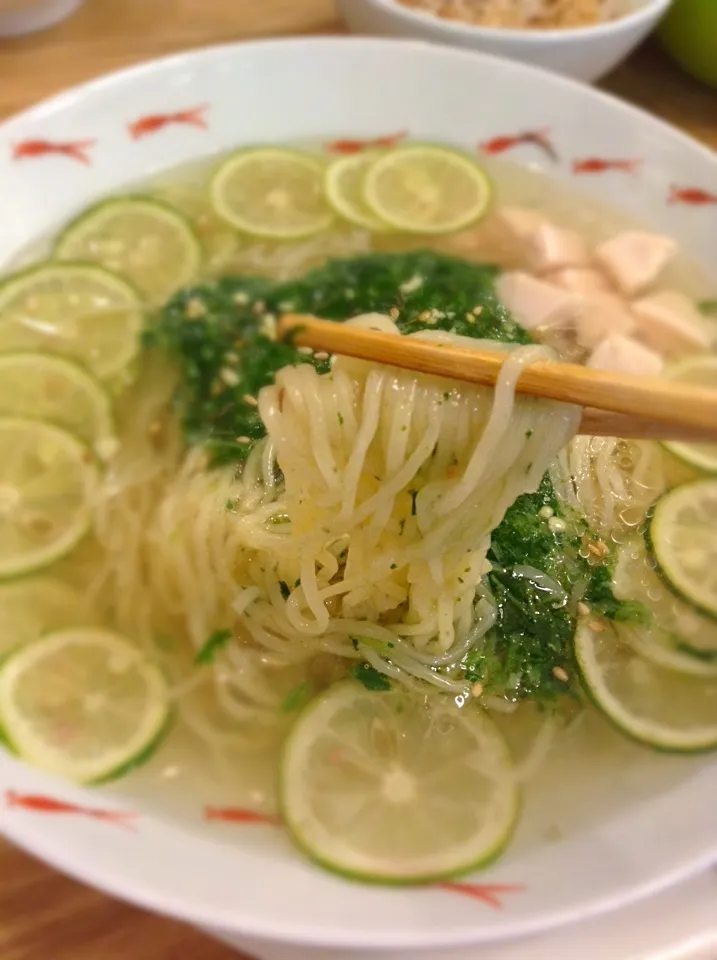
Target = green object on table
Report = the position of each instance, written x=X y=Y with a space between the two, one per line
x=689 y=34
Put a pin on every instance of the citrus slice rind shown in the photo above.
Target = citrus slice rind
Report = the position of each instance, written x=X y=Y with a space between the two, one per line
x=140 y=238
x=344 y=186
x=697 y=371
x=427 y=189
x=82 y=703
x=43 y=386
x=48 y=483
x=272 y=193
x=656 y=705
x=381 y=788
x=77 y=310
x=681 y=536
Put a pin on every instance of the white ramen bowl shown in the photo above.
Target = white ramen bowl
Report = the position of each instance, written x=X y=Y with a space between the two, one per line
x=585 y=53
x=246 y=881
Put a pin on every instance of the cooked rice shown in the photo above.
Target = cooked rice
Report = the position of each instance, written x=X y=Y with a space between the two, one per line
x=536 y=14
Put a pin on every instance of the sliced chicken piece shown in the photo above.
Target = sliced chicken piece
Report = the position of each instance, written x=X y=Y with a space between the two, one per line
x=602 y=315
x=625 y=355
x=534 y=303
x=671 y=323
x=544 y=245
x=582 y=280
x=550 y=247
x=520 y=221
x=634 y=259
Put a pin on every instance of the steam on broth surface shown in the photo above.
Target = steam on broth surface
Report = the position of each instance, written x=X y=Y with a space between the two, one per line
x=289 y=536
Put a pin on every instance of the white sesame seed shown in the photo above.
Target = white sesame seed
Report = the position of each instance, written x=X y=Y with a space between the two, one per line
x=546 y=512
x=241 y=298
x=268 y=325
x=477 y=311
x=194 y=309
x=307 y=351
x=413 y=284
x=583 y=609
x=561 y=674
x=107 y=447
x=321 y=355
x=250 y=401
x=394 y=313
x=556 y=525
x=477 y=689
x=229 y=376
x=243 y=439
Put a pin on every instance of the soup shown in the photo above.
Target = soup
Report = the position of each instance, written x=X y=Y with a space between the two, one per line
x=383 y=609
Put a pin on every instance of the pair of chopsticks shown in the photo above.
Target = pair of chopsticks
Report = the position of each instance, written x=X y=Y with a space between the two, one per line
x=616 y=405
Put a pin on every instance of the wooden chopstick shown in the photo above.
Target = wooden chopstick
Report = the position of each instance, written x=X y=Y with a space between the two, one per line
x=619 y=405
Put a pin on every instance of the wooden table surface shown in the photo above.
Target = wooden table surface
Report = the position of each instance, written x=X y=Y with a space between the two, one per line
x=42 y=914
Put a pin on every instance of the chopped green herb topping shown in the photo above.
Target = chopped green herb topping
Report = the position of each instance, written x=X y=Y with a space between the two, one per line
x=214 y=642
x=600 y=596
x=225 y=352
x=297 y=698
x=451 y=291
x=534 y=631
x=371 y=678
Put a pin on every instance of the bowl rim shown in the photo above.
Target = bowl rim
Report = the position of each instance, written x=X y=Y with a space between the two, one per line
x=449 y=30
x=26 y=837
x=68 y=95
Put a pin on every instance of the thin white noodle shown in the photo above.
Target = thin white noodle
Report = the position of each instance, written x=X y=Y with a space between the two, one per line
x=391 y=492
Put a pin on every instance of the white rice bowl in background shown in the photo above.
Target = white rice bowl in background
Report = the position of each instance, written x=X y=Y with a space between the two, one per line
x=584 y=53
x=244 y=880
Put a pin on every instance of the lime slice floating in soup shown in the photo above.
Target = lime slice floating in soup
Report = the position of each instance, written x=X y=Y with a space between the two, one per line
x=683 y=629
x=664 y=649
x=392 y=788
x=33 y=606
x=48 y=480
x=345 y=190
x=657 y=705
x=272 y=192
x=702 y=372
x=681 y=537
x=427 y=189
x=140 y=238
x=83 y=703
x=78 y=310
x=46 y=387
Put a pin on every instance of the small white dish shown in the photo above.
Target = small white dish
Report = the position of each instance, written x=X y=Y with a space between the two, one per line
x=247 y=880
x=18 y=17
x=587 y=53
